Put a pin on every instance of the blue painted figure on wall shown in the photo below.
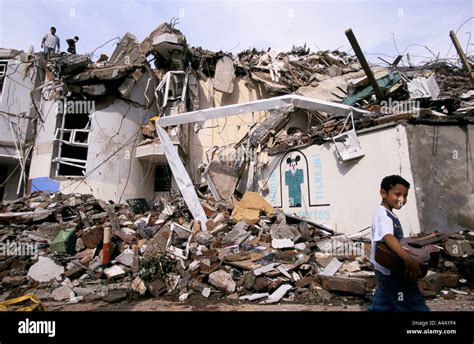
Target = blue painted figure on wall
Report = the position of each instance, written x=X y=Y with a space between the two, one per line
x=293 y=179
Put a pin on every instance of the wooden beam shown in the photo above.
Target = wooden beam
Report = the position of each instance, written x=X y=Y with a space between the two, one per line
x=363 y=62
x=465 y=62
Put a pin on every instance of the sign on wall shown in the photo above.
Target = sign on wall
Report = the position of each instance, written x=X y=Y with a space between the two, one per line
x=296 y=184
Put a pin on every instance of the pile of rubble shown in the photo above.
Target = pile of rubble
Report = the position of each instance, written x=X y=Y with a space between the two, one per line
x=436 y=90
x=249 y=252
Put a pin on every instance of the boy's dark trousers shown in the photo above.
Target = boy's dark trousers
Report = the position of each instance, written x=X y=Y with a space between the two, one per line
x=395 y=293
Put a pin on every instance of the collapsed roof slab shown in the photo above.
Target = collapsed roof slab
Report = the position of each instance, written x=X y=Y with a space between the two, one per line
x=288 y=101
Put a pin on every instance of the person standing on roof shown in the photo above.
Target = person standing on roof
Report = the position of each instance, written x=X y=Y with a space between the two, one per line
x=49 y=42
x=71 y=42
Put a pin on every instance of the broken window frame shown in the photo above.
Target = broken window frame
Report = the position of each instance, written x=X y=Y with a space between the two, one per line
x=166 y=82
x=72 y=137
x=176 y=251
x=59 y=137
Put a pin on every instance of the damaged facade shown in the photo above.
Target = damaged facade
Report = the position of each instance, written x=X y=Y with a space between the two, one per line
x=248 y=176
x=98 y=134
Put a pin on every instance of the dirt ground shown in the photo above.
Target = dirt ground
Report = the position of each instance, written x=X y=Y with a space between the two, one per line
x=198 y=303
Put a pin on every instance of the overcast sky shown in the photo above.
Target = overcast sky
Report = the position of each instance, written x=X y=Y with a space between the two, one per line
x=237 y=25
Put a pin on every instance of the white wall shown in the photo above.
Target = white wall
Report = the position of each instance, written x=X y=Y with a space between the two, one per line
x=109 y=177
x=350 y=188
x=15 y=99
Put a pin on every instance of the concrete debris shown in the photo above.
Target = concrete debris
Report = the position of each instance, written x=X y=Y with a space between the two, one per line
x=114 y=271
x=263 y=258
x=219 y=231
x=435 y=281
x=253 y=297
x=458 y=247
x=126 y=258
x=183 y=297
x=138 y=286
x=224 y=75
x=351 y=266
x=206 y=292
x=204 y=238
x=45 y=270
x=351 y=285
x=264 y=269
x=79 y=291
x=115 y=296
x=423 y=88
x=223 y=281
x=282 y=243
x=331 y=268
x=63 y=293
x=221 y=179
x=278 y=294
x=156 y=288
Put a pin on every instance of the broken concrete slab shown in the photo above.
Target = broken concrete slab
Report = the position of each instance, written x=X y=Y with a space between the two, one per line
x=249 y=280
x=79 y=291
x=300 y=246
x=45 y=270
x=435 y=281
x=252 y=297
x=423 y=88
x=115 y=296
x=324 y=294
x=351 y=285
x=264 y=269
x=303 y=228
x=156 y=287
x=138 y=286
x=204 y=238
x=223 y=281
x=224 y=75
x=282 y=243
x=278 y=294
x=13 y=281
x=235 y=237
x=332 y=267
x=221 y=179
x=114 y=272
x=284 y=272
x=63 y=293
x=74 y=272
x=126 y=257
x=284 y=231
x=351 y=266
x=206 y=292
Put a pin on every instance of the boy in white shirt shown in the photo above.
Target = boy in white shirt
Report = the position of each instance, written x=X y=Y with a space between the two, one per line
x=394 y=292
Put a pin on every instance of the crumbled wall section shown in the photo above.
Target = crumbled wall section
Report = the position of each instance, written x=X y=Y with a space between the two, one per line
x=441 y=158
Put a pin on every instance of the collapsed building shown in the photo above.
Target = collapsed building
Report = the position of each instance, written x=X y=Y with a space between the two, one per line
x=245 y=122
x=241 y=172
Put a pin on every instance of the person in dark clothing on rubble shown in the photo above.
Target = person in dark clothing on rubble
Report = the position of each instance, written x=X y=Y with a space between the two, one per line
x=71 y=42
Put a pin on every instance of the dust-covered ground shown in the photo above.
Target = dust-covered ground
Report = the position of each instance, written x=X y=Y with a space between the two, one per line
x=199 y=303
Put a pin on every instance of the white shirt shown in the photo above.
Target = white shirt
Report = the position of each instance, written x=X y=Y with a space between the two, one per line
x=51 y=41
x=384 y=222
